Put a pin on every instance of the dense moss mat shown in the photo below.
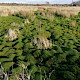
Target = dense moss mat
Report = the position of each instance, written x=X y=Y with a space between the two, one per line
x=60 y=61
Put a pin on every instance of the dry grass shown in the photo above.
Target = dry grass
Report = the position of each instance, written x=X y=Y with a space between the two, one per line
x=65 y=10
x=42 y=43
x=12 y=34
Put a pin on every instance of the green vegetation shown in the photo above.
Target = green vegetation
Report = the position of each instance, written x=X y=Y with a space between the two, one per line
x=40 y=47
